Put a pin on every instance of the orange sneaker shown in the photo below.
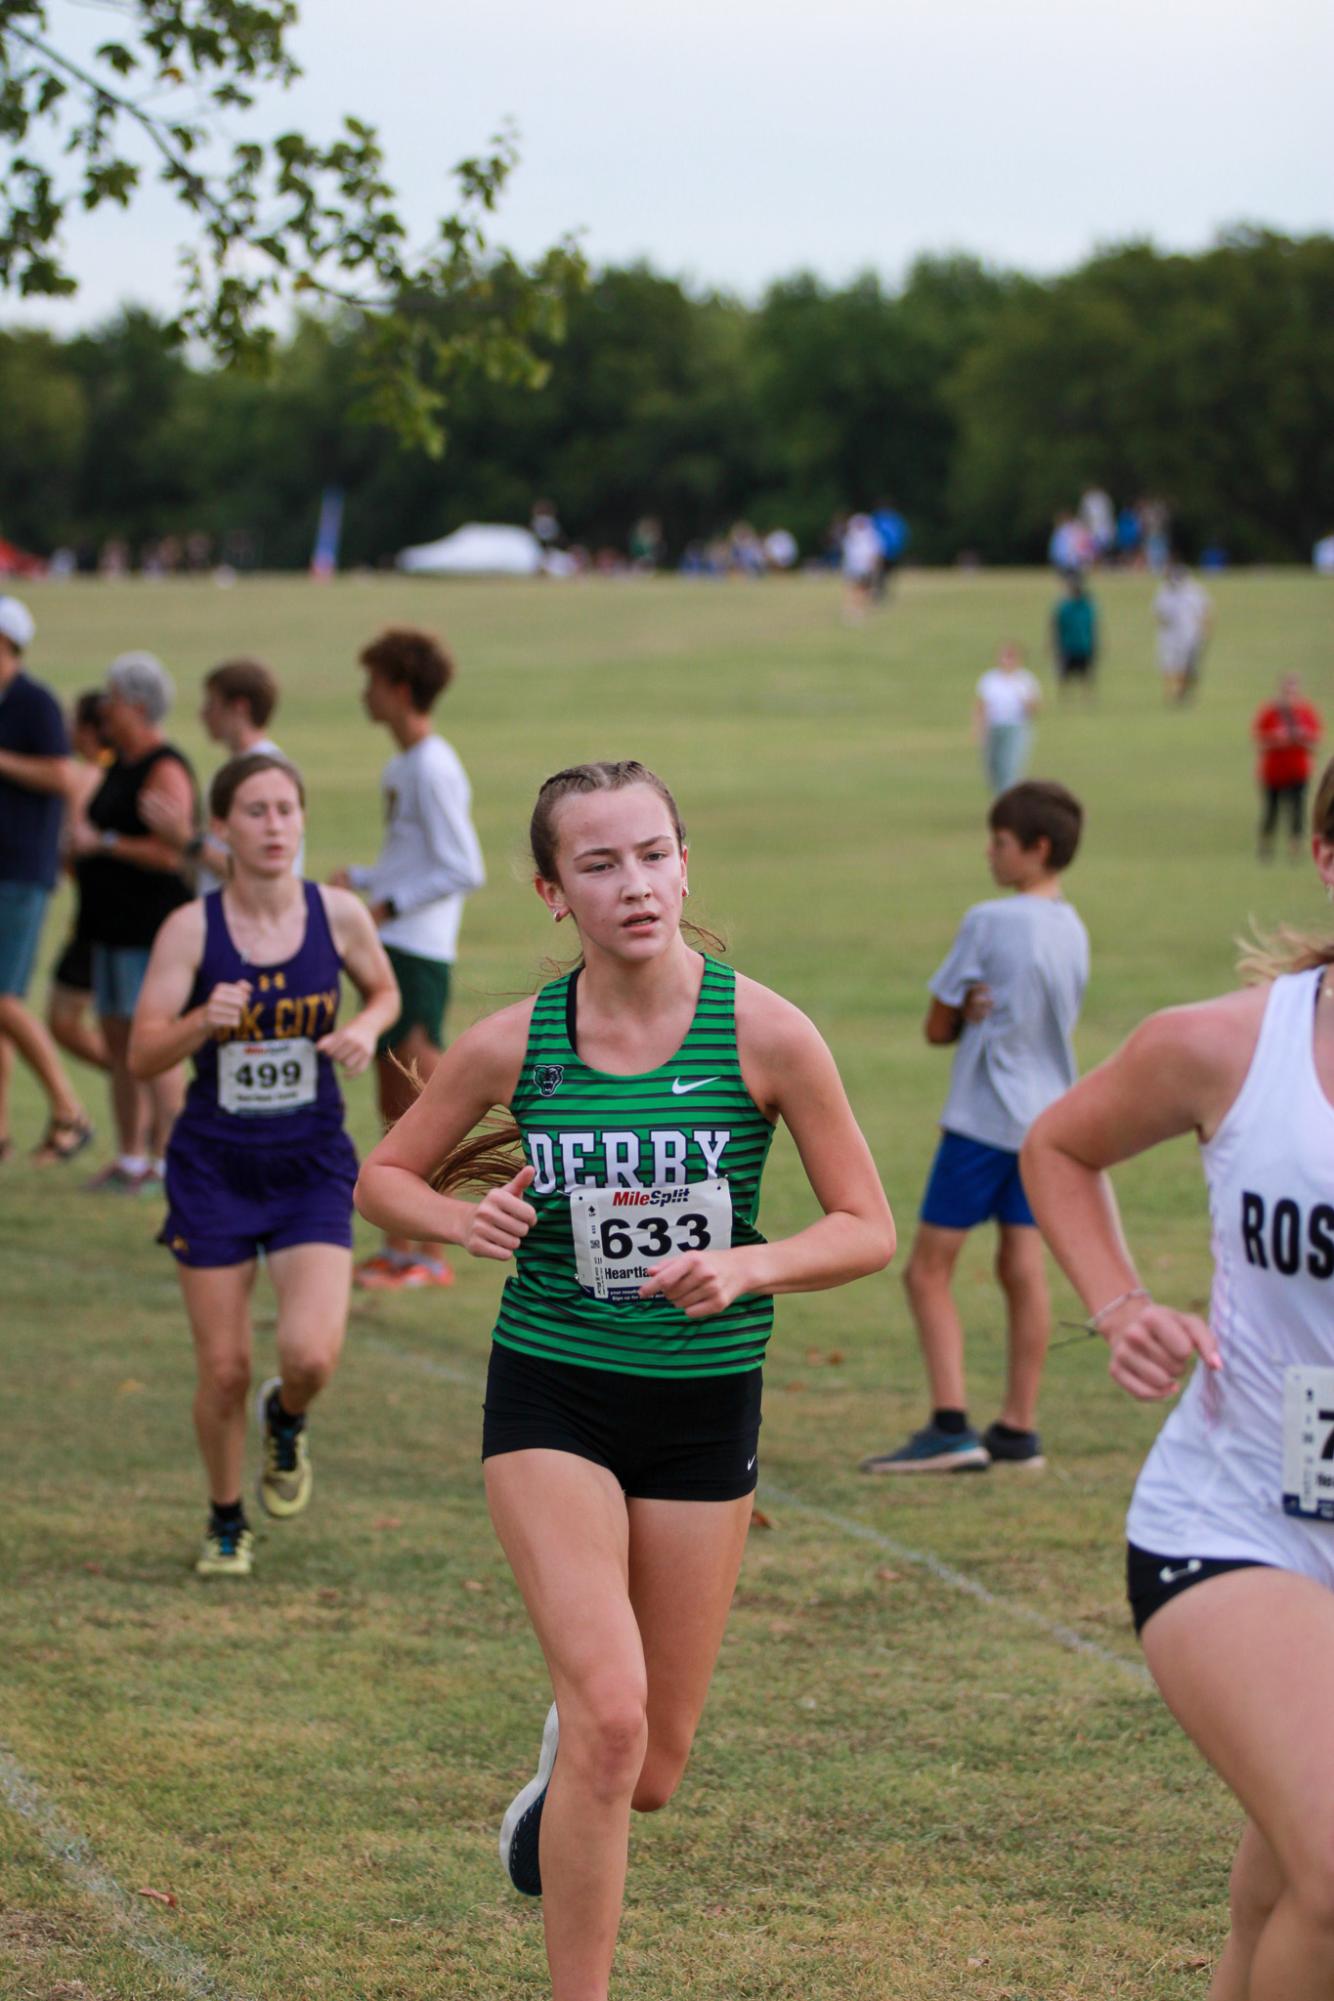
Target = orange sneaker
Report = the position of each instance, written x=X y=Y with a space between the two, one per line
x=380 y=1273
x=386 y=1273
x=430 y=1271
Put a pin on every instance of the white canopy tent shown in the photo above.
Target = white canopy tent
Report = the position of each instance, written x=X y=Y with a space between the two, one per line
x=479 y=549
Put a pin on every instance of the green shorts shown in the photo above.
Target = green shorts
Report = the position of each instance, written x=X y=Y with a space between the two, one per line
x=424 y=987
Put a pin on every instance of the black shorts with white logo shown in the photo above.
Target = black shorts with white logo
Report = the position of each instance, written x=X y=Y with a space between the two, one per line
x=1151 y=1579
x=694 y=1438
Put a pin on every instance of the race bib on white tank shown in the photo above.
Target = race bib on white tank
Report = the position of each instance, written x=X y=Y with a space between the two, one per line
x=260 y=1079
x=1308 y=1442
x=620 y=1233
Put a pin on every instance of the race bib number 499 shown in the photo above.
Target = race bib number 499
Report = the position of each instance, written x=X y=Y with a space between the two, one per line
x=258 y=1079
x=620 y=1233
x=1308 y=1442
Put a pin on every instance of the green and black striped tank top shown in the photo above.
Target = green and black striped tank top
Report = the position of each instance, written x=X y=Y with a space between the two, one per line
x=628 y=1172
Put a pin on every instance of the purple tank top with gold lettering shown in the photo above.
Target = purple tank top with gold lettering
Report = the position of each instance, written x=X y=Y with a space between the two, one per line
x=264 y=1082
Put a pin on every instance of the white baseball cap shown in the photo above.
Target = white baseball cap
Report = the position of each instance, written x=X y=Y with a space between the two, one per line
x=17 y=624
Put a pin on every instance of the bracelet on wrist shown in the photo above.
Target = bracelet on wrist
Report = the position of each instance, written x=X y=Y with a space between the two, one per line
x=1095 y=1320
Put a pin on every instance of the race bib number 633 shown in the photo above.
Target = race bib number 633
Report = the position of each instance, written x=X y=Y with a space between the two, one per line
x=619 y=1233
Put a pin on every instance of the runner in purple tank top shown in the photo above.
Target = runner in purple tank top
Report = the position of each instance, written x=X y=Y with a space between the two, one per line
x=246 y=981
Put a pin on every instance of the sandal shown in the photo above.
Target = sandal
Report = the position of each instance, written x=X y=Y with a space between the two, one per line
x=63 y=1139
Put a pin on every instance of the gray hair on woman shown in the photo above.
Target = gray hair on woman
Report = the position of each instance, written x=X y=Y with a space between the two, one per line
x=141 y=680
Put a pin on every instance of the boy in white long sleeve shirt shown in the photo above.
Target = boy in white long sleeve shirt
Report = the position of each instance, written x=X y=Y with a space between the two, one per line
x=429 y=862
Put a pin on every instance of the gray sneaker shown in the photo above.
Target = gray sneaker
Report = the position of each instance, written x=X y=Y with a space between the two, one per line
x=931 y=1450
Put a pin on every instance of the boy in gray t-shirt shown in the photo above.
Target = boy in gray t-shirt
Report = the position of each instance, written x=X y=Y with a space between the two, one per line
x=1008 y=995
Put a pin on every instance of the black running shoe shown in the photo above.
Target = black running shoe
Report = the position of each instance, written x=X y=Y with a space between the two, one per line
x=522 y=1826
x=1008 y=1448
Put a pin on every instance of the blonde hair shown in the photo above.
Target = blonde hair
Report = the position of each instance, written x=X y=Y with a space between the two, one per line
x=1269 y=954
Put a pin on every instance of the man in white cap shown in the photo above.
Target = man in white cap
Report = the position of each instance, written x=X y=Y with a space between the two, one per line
x=34 y=777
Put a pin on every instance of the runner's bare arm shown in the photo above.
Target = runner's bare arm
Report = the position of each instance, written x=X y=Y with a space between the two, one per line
x=791 y=1075
x=162 y=1035
x=477 y=1072
x=358 y=945
x=1178 y=1073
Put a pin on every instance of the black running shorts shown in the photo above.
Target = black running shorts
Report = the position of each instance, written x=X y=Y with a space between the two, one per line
x=1151 y=1579
x=665 y=1438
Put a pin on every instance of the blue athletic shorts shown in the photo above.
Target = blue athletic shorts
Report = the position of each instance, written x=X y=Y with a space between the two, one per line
x=226 y=1204
x=971 y=1183
x=22 y=908
x=118 y=974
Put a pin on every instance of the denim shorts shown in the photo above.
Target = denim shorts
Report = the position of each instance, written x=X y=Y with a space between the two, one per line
x=118 y=974
x=22 y=908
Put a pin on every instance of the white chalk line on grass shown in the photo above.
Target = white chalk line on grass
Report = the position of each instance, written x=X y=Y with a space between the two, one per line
x=71 y=1853
x=921 y=1559
x=970 y=1587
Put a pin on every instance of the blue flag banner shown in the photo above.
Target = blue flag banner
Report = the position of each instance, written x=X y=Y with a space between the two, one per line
x=328 y=534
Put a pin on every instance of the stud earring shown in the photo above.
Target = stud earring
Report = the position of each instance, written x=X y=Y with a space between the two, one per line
x=685 y=891
x=556 y=915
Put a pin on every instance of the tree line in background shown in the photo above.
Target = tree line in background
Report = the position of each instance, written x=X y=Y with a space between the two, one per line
x=981 y=401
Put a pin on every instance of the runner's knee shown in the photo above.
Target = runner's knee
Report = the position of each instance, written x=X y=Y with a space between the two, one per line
x=1311 y=1884
x=226 y=1378
x=603 y=1736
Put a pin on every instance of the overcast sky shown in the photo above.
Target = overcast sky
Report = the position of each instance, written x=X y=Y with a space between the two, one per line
x=734 y=141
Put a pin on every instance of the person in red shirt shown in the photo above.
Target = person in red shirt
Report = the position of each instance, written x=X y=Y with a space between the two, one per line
x=1287 y=732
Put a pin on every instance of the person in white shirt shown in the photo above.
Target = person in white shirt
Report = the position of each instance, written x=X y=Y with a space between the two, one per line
x=862 y=556
x=1007 y=699
x=1185 y=618
x=430 y=861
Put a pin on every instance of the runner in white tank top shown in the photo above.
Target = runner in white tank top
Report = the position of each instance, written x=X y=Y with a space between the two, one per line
x=1213 y=1485
x=1232 y=1524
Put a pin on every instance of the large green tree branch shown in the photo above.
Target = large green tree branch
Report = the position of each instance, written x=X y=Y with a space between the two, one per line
x=270 y=218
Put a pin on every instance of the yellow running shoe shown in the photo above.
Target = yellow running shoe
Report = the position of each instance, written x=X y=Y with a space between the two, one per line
x=227 y=1552
x=286 y=1479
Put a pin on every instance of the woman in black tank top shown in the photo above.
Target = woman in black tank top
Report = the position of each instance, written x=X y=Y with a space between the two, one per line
x=130 y=883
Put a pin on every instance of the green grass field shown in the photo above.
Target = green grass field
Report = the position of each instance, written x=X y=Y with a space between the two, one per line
x=902 y=1788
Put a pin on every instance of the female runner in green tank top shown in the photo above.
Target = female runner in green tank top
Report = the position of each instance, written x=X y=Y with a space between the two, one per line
x=622 y=1408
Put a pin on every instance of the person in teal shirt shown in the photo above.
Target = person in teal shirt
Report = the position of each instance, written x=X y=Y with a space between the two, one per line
x=1074 y=634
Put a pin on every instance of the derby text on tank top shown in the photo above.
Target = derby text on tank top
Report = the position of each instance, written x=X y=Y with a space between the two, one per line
x=630 y=1171
x=264 y=1081
x=1245 y=1465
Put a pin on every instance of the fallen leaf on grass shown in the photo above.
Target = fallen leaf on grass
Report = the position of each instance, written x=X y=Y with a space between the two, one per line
x=473 y=1584
x=821 y=1358
x=387 y=1522
x=794 y=1386
x=888 y=1576
x=979 y=1959
x=166 y=1897
x=759 y=1520
x=128 y=1388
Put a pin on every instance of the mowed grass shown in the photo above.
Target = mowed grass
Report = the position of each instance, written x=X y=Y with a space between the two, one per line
x=899 y=1790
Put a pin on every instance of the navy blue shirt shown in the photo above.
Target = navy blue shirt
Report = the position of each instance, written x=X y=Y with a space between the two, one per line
x=31 y=725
